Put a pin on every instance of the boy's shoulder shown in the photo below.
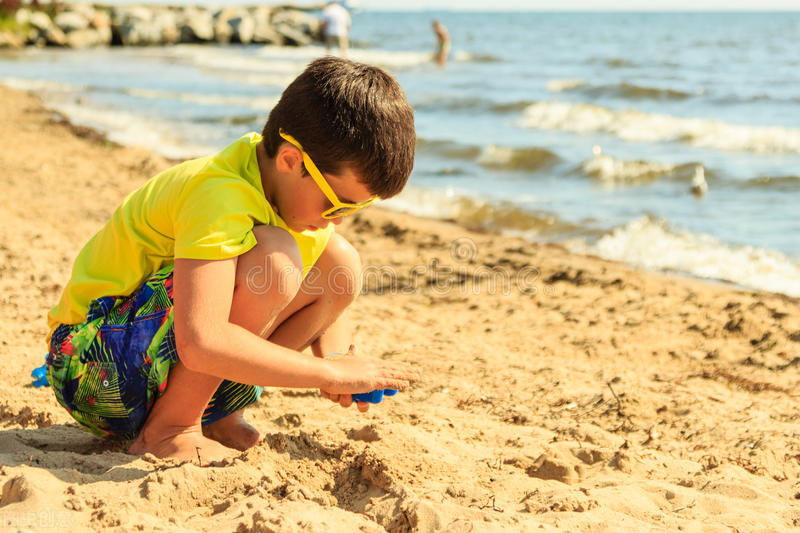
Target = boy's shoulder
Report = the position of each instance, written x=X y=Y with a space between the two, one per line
x=235 y=159
x=237 y=162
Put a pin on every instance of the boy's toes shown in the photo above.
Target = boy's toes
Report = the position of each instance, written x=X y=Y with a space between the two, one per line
x=233 y=432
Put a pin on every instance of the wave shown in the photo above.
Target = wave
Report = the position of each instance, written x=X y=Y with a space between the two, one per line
x=391 y=59
x=646 y=242
x=500 y=216
x=613 y=172
x=624 y=90
x=621 y=62
x=505 y=158
x=449 y=149
x=260 y=103
x=276 y=66
x=441 y=102
x=724 y=43
x=632 y=125
x=254 y=121
x=446 y=103
x=653 y=243
x=131 y=129
x=451 y=171
x=778 y=183
x=493 y=156
x=613 y=62
x=25 y=84
x=747 y=99
x=568 y=84
x=476 y=57
x=80 y=91
x=508 y=107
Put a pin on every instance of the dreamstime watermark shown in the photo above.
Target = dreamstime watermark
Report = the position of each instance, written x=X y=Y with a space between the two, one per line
x=466 y=277
x=60 y=519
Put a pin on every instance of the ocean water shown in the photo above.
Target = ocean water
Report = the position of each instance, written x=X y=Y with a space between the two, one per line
x=588 y=129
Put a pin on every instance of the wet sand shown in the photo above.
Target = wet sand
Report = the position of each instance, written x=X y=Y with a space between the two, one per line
x=559 y=392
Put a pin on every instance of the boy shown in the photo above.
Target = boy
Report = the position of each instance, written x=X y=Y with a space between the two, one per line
x=209 y=279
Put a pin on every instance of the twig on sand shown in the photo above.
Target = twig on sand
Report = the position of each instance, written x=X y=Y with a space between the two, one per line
x=197 y=449
x=694 y=502
x=620 y=412
x=619 y=402
x=490 y=503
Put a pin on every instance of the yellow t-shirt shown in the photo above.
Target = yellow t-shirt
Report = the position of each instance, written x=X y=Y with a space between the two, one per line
x=201 y=209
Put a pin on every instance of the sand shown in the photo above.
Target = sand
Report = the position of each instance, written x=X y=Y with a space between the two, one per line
x=560 y=392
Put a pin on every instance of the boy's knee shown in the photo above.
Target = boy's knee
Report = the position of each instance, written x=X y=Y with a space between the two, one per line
x=342 y=270
x=274 y=266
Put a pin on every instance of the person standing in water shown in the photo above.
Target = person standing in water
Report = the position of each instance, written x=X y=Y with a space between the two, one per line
x=442 y=43
x=336 y=24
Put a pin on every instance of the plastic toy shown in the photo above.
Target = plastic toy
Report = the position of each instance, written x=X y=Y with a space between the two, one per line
x=40 y=377
x=375 y=396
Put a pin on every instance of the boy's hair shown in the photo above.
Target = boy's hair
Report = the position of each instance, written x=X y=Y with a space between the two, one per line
x=347 y=113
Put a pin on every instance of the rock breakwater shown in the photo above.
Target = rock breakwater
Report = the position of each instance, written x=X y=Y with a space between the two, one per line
x=82 y=25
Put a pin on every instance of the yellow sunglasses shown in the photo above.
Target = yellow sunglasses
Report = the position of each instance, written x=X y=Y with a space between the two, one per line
x=339 y=208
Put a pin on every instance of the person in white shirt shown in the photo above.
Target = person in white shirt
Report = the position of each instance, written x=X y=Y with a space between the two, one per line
x=336 y=27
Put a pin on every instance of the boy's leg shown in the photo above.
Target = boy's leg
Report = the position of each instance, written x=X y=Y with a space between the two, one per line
x=312 y=318
x=173 y=427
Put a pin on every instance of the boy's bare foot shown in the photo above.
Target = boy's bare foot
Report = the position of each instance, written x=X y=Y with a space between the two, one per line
x=183 y=444
x=233 y=431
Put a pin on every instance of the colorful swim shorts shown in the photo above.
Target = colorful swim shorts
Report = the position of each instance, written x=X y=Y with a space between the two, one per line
x=109 y=370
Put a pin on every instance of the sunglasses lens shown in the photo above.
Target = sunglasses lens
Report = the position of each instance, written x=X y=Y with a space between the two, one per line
x=342 y=211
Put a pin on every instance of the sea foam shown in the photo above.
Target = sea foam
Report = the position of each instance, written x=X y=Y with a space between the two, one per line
x=496 y=214
x=126 y=128
x=654 y=244
x=633 y=125
x=614 y=172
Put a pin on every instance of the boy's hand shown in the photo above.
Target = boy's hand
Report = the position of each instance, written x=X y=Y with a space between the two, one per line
x=345 y=400
x=349 y=375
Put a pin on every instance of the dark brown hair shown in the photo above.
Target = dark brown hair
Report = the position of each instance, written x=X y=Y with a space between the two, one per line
x=348 y=114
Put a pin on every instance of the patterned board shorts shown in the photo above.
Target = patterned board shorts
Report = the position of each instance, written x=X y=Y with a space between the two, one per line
x=109 y=370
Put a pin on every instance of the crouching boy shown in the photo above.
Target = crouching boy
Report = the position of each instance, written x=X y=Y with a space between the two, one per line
x=209 y=279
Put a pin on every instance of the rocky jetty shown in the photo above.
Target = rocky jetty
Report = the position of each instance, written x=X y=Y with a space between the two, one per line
x=83 y=25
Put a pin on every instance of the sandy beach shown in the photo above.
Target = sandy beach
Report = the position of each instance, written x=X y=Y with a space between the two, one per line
x=560 y=392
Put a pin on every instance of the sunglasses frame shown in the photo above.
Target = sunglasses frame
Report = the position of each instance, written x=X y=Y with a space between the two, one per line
x=339 y=208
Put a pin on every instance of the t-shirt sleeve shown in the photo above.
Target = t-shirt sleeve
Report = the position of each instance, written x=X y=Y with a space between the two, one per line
x=214 y=220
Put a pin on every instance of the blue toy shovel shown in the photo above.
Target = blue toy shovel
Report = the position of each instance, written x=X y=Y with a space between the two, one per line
x=375 y=396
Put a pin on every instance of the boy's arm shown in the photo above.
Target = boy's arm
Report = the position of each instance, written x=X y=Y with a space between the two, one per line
x=208 y=342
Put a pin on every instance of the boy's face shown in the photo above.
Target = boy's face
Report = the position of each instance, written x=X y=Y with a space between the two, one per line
x=302 y=205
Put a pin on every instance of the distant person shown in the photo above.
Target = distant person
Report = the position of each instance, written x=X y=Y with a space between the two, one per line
x=336 y=24
x=442 y=44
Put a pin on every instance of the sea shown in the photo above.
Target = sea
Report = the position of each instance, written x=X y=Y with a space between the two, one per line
x=668 y=141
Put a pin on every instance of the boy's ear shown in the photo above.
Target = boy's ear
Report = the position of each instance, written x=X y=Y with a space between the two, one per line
x=289 y=159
